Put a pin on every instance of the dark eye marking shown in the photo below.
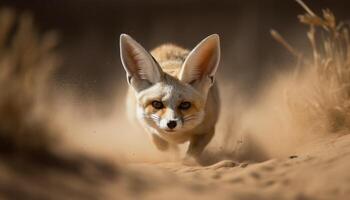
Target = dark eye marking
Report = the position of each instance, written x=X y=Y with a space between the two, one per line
x=157 y=104
x=185 y=105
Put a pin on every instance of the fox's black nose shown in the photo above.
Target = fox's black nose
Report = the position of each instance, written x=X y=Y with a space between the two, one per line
x=171 y=124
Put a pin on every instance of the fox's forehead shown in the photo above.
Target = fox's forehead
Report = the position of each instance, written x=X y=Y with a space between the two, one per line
x=171 y=90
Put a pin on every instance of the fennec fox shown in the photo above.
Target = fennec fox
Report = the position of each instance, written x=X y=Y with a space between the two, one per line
x=173 y=93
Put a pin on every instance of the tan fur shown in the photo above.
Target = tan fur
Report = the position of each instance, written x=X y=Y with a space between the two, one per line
x=170 y=57
x=172 y=91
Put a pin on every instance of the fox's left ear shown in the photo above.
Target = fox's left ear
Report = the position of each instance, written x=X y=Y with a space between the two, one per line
x=202 y=62
x=141 y=68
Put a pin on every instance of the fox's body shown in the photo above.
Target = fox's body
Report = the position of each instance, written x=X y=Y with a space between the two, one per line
x=173 y=102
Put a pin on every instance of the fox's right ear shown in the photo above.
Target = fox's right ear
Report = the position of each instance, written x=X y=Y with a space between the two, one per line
x=202 y=62
x=141 y=68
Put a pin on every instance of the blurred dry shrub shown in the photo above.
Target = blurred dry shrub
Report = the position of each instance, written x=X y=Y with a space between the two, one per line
x=296 y=108
x=319 y=95
x=326 y=104
x=26 y=63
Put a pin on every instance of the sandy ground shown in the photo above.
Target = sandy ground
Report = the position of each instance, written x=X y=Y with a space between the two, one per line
x=319 y=170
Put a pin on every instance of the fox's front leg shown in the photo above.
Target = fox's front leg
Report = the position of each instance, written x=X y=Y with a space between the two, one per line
x=163 y=145
x=197 y=145
x=160 y=143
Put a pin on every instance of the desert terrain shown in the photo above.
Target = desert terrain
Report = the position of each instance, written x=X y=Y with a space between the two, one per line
x=291 y=142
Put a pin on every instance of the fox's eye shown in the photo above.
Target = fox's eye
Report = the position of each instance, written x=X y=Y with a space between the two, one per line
x=157 y=104
x=185 y=105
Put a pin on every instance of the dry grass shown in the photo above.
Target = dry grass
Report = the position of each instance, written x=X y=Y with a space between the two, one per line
x=324 y=98
x=26 y=63
x=295 y=108
x=29 y=158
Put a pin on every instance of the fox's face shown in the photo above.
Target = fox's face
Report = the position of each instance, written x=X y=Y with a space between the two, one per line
x=171 y=104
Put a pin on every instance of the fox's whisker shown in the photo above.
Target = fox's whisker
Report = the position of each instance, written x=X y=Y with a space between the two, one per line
x=189 y=116
x=145 y=116
x=151 y=117
x=155 y=117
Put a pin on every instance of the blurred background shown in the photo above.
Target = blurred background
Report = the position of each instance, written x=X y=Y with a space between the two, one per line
x=84 y=64
x=89 y=32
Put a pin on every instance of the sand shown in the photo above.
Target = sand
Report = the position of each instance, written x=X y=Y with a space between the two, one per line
x=318 y=171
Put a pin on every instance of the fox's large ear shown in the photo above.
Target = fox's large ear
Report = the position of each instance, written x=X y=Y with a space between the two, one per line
x=141 y=68
x=202 y=62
